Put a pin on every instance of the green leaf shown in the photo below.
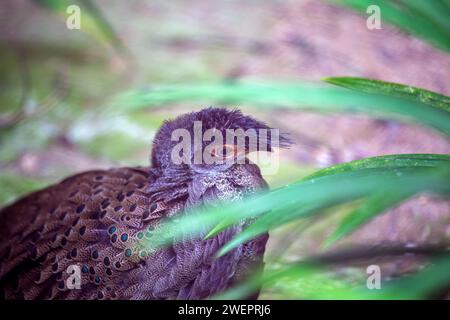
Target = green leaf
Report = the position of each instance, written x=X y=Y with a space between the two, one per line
x=425 y=19
x=287 y=95
x=420 y=285
x=219 y=228
x=394 y=89
x=435 y=11
x=309 y=280
x=92 y=20
x=309 y=196
x=387 y=162
x=372 y=207
x=270 y=221
x=351 y=178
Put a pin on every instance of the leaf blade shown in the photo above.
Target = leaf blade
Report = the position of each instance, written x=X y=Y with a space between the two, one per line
x=395 y=89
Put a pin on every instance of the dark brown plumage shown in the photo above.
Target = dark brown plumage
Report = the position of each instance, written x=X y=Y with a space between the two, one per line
x=95 y=220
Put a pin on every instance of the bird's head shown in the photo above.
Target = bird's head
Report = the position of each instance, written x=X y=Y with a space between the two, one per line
x=212 y=140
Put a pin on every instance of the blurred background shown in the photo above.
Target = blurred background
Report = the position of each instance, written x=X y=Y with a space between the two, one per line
x=58 y=88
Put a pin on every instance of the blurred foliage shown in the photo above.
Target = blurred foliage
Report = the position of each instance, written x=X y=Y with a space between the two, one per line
x=92 y=19
x=409 y=174
x=313 y=279
x=381 y=181
x=375 y=86
x=71 y=104
x=294 y=95
x=396 y=177
x=12 y=185
x=425 y=19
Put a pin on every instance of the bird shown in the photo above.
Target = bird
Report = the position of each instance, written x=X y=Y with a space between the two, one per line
x=95 y=222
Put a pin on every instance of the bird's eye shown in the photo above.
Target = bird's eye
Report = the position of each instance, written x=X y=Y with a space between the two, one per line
x=225 y=151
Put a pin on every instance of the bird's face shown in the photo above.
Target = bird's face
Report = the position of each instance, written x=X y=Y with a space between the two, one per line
x=213 y=140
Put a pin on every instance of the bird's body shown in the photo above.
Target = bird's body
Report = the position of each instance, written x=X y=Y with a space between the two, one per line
x=96 y=221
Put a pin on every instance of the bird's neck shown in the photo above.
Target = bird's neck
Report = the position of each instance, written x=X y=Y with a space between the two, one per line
x=168 y=184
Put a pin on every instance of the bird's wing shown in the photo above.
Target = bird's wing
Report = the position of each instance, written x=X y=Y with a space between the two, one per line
x=95 y=222
x=91 y=221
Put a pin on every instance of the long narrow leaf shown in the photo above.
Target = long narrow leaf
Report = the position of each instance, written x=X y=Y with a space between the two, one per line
x=288 y=95
x=387 y=162
x=285 y=204
x=394 y=89
x=345 y=187
x=323 y=285
x=429 y=28
x=373 y=206
x=93 y=21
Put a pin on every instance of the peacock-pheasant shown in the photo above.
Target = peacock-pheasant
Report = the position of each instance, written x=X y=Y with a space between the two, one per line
x=97 y=220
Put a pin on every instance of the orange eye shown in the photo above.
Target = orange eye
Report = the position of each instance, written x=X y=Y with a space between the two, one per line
x=225 y=151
